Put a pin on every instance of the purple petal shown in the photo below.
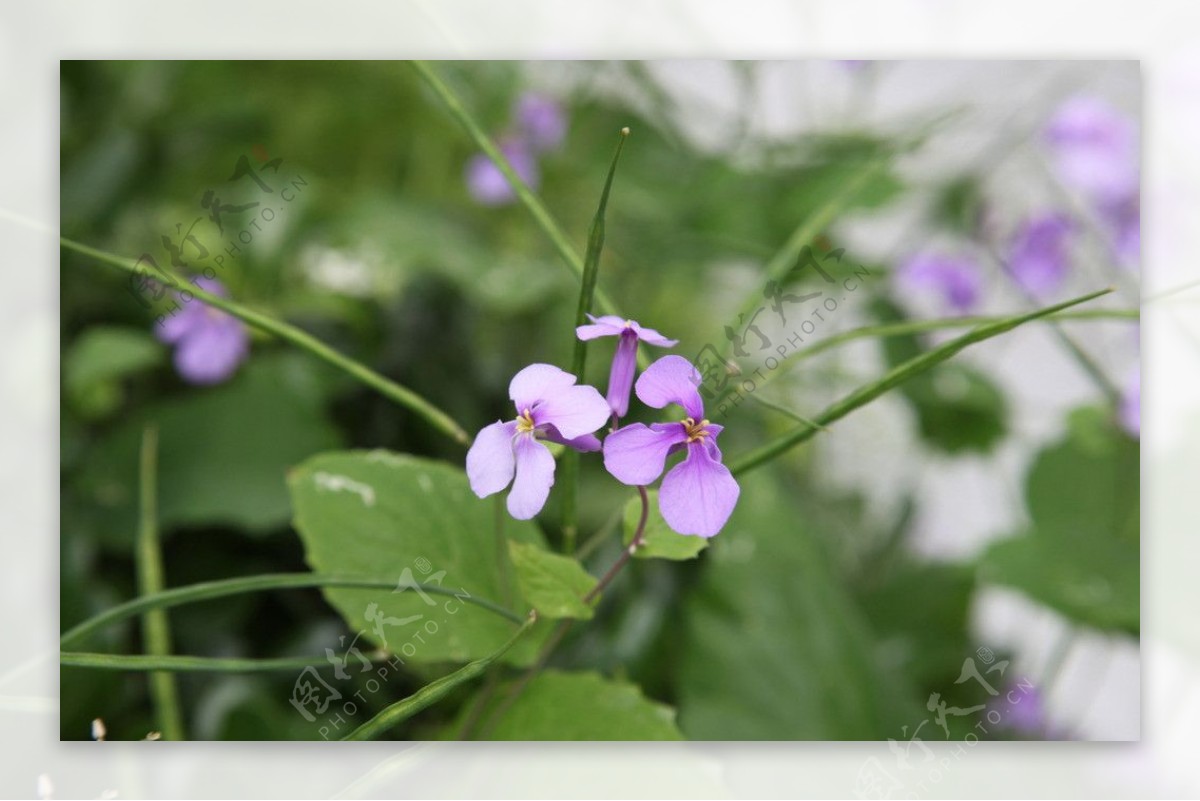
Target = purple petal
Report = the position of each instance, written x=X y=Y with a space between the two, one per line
x=487 y=184
x=588 y=443
x=652 y=337
x=211 y=352
x=635 y=455
x=1038 y=257
x=698 y=494
x=535 y=477
x=671 y=379
x=620 y=378
x=574 y=411
x=179 y=325
x=609 y=319
x=587 y=332
x=1094 y=148
x=542 y=121
x=535 y=382
x=957 y=279
x=490 y=461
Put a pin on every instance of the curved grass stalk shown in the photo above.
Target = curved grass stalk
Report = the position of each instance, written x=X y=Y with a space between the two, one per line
x=402 y=395
x=899 y=374
x=177 y=663
x=209 y=590
x=433 y=692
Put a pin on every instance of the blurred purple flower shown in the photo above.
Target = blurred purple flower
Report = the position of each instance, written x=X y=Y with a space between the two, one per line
x=487 y=183
x=1094 y=149
x=698 y=494
x=1123 y=221
x=1021 y=708
x=957 y=279
x=1130 y=411
x=541 y=122
x=620 y=377
x=1038 y=254
x=549 y=407
x=209 y=344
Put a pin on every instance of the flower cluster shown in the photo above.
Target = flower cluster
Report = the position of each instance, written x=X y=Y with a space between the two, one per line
x=209 y=344
x=697 y=495
x=539 y=126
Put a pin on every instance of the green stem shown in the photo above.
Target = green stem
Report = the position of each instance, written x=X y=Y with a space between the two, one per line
x=433 y=692
x=156 y=629
x=193 y=664
x=562 y=245
x=209 y=590
x=400 y=394
x=894 y=377
x=587 y=288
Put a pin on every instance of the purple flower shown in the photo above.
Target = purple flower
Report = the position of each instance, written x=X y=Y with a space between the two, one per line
x=699 y=493
x=1123 y=222
x=549 y=407
x=1021 y=708
x=1130 y=411
x=620 y=379
x=956 y=279
x=209 y=344
x=1094 y=148
x=488 y=185
x=541 y=121
x=1038 y=254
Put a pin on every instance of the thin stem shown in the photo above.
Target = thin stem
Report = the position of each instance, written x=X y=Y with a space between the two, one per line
x=156 y=629
x=433 y=692
x=402 y=395
x=503 y=560
x=195 y=664
x=564 y=626
x=897 y=375
x=209 y=590
x=587 y=289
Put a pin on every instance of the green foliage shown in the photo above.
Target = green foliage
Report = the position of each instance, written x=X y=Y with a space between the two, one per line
x=223 y=451
x=97 y=362
x=554 y=585
x=406 y=519
x=773 y=648
x=582 y=706
x=658 y=540
x=1080 y=554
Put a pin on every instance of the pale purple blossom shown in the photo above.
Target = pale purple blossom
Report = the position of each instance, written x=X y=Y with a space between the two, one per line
x=209 y=344
x=698 y=494
x=1122 y=220
x=549 y=407
x=1094 y=149
x=1038 y=256
x=487 y=184
x=541 y=122
x=620 y=378
x=956 y=280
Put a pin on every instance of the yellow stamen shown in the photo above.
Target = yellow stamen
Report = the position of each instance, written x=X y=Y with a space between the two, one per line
x=524 y=422
x=694 y=430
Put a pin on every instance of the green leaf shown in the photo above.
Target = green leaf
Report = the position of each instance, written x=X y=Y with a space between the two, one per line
x=1081 y=554
x=223 y=451
x=582 y=706
x=658 y=540
x=99 y=359
x=554 y=585
x=772 y=646
x=403 y=518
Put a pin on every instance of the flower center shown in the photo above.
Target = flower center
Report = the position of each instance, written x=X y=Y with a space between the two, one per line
x=695 y=431
x=524 y=422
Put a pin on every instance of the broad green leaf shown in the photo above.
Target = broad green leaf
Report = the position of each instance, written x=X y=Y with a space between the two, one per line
x=772 y=647
x=99 y=359
x=581 y=706
x=554 y=585
x=223 y=451
x=407 y=519
x=658 y=540
x=1081 y=554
